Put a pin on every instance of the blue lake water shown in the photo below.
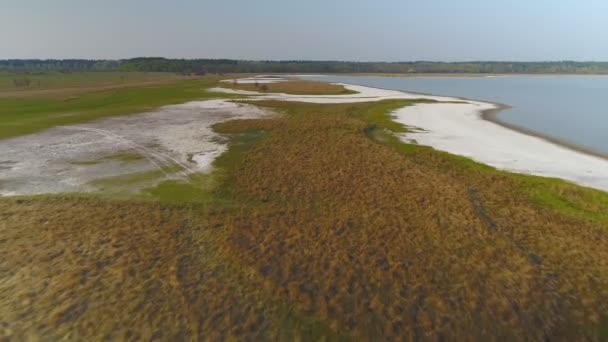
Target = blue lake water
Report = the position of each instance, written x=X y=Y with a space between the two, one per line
x=570 y=108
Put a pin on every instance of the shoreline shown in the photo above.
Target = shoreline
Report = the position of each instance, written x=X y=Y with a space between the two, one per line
x=477 y=119
x=474 y=134
x=437 y=74
x=458 y=126
x=491 y=115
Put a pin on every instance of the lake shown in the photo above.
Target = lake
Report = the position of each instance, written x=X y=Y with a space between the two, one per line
x=569 y=108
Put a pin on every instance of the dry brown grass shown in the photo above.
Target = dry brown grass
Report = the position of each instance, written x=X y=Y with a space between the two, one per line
x=295 y=87
x=328 y=233
x=384 y=245
x=59 y=85
x=126 y=271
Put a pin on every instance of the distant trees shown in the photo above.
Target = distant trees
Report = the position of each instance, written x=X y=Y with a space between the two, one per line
x=58 y=65
x=221 y=66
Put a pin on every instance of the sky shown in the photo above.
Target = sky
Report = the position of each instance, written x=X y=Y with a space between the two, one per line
x=353 y=30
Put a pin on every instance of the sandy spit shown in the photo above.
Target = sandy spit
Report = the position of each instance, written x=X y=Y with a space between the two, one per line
x=459 y=128
x=364 y=94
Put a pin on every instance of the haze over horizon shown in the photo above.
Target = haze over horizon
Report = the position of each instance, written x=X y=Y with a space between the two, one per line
x=388 y=30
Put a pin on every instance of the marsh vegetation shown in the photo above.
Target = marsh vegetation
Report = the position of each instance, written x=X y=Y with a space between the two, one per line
x=294 y=87
x=316 y=224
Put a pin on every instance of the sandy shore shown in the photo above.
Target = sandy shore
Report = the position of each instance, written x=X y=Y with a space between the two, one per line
x=492 y=115
x=471 y=129
x=71 y=158
x=364 y=94
x=462 y=129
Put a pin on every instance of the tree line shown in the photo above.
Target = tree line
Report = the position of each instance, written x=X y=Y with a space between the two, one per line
x=202 y=66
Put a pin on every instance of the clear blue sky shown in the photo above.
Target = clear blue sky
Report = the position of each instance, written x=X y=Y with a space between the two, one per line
x=374 y=30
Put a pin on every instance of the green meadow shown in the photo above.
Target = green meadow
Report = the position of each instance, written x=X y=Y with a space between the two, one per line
x=25 y=111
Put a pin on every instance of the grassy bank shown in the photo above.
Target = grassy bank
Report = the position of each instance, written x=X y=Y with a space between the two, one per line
x=315 y=224
x=59 y=99
x=25 y=113
x=33 y=83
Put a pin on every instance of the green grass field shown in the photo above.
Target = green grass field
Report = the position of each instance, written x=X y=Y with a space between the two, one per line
x=56 y=80
x=25 y=113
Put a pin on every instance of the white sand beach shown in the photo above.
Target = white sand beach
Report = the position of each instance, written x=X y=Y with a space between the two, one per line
x=460 y=129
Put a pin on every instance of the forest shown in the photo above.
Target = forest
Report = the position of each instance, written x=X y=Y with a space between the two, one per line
x=219 y=66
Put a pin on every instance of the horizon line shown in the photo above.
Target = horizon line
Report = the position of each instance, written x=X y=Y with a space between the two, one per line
x=304 y=60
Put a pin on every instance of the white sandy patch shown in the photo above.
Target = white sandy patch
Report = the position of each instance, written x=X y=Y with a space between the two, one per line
x=256 y=79
x=459 y=129
x=364 y=94
x=235 y=91
x=59 y=159
x=305 y=75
